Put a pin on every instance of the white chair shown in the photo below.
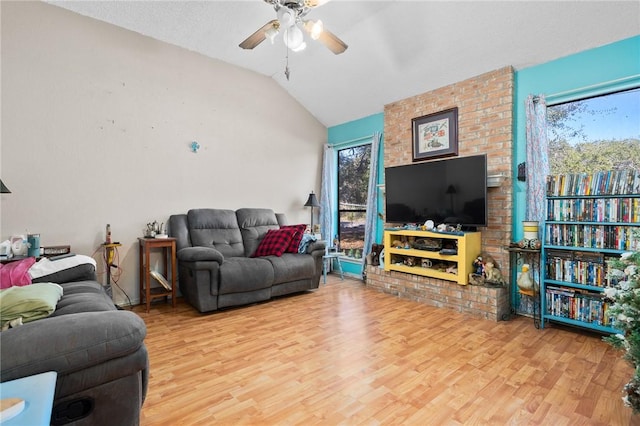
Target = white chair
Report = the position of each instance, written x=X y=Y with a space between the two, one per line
x=330 y=253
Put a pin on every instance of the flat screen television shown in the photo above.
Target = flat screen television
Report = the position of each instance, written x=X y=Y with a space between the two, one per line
x=451 y=191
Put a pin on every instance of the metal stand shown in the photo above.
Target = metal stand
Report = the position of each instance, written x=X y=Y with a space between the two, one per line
x=109 y=255
x=517 y=257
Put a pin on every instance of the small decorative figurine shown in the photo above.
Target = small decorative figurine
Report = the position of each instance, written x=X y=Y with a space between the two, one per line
x=478 y=265
x=410 y=261
x=373 y=258
x=525 y=282
x=154 y=228
x=492 y=275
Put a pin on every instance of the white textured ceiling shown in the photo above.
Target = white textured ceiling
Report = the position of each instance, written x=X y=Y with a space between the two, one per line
x=397 y=49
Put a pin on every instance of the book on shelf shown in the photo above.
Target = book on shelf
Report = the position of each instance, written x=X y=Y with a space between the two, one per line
x=611 y=182
x=577 y=304
x=586 y=268
x=611 y=237
x=612 y=210
x=161 y=279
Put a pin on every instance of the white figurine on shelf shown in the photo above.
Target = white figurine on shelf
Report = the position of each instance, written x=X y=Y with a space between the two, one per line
x=525 y=282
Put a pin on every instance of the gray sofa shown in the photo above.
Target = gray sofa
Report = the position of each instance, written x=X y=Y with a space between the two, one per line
x=215 y=267
x=97 y=350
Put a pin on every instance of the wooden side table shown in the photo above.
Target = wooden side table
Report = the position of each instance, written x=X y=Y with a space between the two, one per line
x=168 y=247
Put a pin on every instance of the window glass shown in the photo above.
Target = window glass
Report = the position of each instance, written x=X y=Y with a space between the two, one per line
x=353 y=182
x=593 y=134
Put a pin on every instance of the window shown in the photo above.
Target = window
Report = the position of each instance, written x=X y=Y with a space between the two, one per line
x=353 y=182
x=593 y=134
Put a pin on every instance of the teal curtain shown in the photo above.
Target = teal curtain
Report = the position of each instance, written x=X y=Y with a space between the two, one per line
x=537 y=156
x=327 y=196
x=372 y=200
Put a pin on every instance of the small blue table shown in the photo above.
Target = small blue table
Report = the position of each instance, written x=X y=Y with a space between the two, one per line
x=327 y=259
x=37 y=392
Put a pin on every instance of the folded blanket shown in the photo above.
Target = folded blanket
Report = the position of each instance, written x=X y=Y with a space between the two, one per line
x=304 y=243
x=31 y=302
x=47 y=267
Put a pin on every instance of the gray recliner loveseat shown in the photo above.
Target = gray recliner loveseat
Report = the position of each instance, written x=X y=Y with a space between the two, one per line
x=97 y=351
x=216 y=263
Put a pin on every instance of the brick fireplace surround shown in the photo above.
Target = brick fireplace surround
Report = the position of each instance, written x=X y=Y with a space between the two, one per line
x=485 y=126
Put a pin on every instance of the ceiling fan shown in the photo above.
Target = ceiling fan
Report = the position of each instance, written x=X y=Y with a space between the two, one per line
x=291 y=18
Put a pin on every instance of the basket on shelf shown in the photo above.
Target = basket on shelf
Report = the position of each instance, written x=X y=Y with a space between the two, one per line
x=430 y=244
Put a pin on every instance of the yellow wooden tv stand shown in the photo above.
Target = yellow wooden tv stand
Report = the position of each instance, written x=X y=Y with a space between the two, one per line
x=432 y=263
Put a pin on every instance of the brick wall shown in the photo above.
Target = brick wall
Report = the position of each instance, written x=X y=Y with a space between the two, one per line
x=485 y=126
x=490 y=303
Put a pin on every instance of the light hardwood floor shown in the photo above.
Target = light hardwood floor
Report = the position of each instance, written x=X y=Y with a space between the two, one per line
x=346 y=354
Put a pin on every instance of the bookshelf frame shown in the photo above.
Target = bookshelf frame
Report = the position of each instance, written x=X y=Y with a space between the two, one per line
x=582 y=223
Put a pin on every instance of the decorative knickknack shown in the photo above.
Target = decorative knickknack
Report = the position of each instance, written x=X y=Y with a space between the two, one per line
x=526 y=283
x=530 y=240
x=155 y=230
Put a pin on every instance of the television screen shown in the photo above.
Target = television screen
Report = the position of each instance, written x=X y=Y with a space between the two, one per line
x=451 y=191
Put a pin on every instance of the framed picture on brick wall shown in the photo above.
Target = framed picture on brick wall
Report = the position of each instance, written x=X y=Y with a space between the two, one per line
x=435 y=135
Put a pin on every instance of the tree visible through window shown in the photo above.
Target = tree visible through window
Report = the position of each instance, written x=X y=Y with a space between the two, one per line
x=594 y=134
x=353 y=182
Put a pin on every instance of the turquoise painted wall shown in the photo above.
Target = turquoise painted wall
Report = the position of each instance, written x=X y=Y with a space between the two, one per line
x=354 y=133
x=593 y=72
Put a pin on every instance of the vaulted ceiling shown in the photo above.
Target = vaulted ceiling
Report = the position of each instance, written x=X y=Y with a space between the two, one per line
x=397 y=49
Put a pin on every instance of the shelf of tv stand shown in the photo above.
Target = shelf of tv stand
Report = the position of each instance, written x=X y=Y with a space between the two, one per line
x=468 y=244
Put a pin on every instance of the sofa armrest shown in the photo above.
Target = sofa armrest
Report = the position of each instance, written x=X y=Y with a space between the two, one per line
x=196 y=254
x=70 y=343
x=319 y=245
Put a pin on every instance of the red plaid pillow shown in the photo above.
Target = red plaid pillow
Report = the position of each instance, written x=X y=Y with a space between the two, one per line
x=294 y=245
x=275 y=242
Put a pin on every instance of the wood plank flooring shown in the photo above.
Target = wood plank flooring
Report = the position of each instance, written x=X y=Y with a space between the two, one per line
x=348 y=355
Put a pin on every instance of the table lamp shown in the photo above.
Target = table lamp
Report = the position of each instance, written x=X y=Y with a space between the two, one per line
x=312 y=202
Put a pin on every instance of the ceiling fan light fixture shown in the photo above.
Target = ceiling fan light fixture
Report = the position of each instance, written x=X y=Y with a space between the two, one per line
x=301 y=47
x=271 y=34
x=290 y=14
x=316 y=29
x=286 y=17
x=315 y=3
x=294 y=38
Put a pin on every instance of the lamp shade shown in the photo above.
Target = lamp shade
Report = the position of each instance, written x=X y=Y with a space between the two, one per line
x=293 y=38
x=312 y=201
x=4 y=189
x=286 y=17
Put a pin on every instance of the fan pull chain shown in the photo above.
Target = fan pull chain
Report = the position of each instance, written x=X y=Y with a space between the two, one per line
x=286 y=68
x=287 y=73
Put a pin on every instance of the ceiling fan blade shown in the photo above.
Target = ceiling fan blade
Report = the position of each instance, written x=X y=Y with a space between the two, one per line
x=332 y=42
x=258 y=37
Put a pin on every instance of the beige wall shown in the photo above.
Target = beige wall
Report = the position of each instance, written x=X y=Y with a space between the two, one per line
x=97 y=123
